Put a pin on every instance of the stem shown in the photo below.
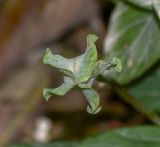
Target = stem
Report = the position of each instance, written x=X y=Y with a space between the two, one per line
x=123 y=93
x=136 y=104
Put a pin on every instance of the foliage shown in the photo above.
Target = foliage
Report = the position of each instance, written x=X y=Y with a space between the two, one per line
x=142 y=136
x=134 y=37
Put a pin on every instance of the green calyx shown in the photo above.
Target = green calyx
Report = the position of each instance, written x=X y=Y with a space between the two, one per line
x=80 y=71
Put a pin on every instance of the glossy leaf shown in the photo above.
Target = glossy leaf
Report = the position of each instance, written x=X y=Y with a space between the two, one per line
x=147 y=90
x=142 y=136
x=56 y=144
x=147 y=4
x=156 y=6
x=134 y=38
x=139 y=136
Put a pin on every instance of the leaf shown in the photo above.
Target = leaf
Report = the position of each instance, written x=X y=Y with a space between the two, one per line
x=147 y=89
x=147 y=4
x=140 y=136
x=56 y=144
x=61 y=90
x=134 y=38
x=156 y=6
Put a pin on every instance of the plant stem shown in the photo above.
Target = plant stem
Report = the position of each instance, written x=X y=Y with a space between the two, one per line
x=136 y=104
x=123 y=93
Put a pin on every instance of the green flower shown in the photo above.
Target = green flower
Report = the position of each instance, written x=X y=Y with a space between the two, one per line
x=80 y=71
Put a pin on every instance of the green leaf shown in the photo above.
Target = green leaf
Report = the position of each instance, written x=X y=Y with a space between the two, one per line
x=141 y=136
x=56 y=144
x=146 y=4
x=61 y=90
x=156 y=6
x=147 y=90
x=134 y=38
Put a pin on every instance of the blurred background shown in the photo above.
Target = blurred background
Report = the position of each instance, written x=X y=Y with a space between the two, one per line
x=27 y=28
